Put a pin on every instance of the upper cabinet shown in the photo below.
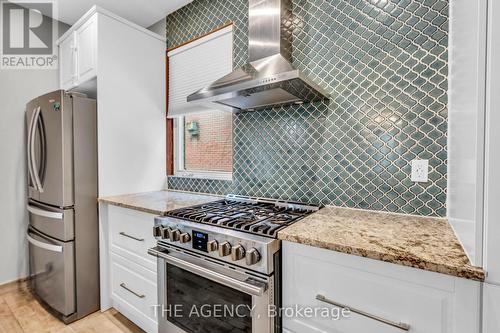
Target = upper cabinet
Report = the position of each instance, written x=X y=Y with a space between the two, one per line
x=86 y=50
x=78 y=54
x=123 y=64
x=67 y=58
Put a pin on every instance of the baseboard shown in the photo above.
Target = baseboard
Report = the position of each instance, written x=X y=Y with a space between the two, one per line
x=19 y=284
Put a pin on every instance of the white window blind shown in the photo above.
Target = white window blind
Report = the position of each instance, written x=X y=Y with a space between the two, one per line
x=195 y=66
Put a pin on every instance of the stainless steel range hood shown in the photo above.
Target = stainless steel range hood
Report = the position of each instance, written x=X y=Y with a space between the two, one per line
x=269 y=79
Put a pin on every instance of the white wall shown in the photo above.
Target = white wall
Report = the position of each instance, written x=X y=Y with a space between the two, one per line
x=17 y=87
x=467 y=75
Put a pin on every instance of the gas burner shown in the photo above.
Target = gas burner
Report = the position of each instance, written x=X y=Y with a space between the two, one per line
x=258 y=216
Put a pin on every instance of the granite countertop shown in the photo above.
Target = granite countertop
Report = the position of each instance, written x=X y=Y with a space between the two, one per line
x=420 y=242
x=159 y=202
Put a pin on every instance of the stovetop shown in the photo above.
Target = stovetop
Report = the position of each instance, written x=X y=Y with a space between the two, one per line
x=253 y=215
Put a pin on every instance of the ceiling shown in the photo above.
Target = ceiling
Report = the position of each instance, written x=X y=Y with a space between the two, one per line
x=144 y=13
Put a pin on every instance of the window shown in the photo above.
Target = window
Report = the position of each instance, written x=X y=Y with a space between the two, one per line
x=202 y=138
x=203 y=145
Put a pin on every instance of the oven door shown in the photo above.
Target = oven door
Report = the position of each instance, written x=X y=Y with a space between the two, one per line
x=196 y=295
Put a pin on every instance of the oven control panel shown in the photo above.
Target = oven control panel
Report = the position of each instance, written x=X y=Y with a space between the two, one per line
x=251 y=251
x=200 y=240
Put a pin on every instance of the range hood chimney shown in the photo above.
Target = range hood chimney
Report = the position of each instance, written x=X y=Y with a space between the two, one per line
x=269 y=79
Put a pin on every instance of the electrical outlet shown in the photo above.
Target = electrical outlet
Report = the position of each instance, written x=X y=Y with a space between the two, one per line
x=420 y=171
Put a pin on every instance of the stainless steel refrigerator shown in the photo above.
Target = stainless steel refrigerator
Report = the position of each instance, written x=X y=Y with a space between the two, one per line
x=62 y=203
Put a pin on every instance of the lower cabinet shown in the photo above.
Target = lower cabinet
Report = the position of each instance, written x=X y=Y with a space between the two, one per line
x=491 y=308
x=131 y=276
x=131 y=235
x=134 y=294
x=389 y=298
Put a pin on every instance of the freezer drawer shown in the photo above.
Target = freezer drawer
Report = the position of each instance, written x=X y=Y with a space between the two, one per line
x=54 y=222
x=52 y=271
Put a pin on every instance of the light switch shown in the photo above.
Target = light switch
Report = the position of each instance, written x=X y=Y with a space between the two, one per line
x=420 y=171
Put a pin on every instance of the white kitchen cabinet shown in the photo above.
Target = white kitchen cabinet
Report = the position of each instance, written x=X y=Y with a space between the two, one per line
x=491 y=308
x=67 y=61
x=492 y=151
x=426 y=301
x=78 y=54
x=128 y=273
x=134 y=292
x=473 y=155
x=491 y=289
x=466 y=94
x=123 y=66
x=86 y=50
x=131 y=235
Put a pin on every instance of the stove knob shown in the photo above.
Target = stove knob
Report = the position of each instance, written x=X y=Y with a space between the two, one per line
x=252 y=257
x=212 y=246
x=237 y=252
x=157 y=231
x=174 y=235
x=224 y=249
x=165 y=232
x=185 y=237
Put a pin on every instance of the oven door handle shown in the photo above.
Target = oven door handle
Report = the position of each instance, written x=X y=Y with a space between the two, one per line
x=250 y=286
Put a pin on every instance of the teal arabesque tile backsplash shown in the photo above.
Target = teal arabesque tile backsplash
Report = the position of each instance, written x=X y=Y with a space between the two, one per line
x=384 y=63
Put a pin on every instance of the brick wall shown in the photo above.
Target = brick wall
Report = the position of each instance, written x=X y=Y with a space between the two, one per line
x=212 y=148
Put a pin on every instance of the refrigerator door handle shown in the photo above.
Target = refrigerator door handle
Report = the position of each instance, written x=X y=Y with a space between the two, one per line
x=43 y=245
x=44 y=213
x=33 y=156
x=28 y=148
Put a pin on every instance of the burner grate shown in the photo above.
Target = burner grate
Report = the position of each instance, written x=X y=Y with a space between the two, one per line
x=263 y=217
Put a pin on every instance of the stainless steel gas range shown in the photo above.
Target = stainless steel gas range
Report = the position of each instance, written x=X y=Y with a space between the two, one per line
x=219 y=265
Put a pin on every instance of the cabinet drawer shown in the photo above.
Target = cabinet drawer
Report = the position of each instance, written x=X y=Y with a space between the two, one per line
x=133 y=288
x=425 y=301
x=131 y=232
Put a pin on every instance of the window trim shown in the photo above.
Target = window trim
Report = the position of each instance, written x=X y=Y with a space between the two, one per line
x=179 y=167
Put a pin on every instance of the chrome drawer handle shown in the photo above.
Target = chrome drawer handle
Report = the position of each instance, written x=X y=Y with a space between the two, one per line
x=132 y=237
x=43 y=245
x=44 y=213
x=400 y=325
x=124 y=286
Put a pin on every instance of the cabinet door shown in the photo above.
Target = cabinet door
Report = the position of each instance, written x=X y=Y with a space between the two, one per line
x=67 y=63
x=491 y=308
x=86 y=49
x=318 y=280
